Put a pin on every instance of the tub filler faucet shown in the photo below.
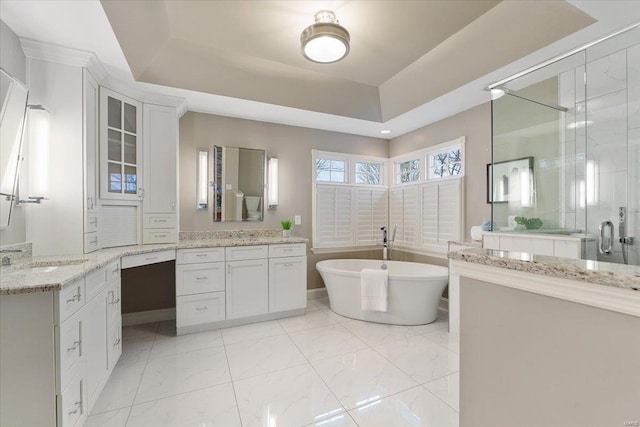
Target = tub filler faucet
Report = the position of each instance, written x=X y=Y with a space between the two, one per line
x=386 y=243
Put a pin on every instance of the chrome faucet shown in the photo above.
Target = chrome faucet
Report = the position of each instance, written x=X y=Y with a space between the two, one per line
x=386 y=243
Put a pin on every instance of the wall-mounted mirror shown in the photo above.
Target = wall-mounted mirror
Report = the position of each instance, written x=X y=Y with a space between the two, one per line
x=12 y=116
x=238 y=184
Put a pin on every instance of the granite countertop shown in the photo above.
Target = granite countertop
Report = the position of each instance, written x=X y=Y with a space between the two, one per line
x=49 y=273
x=601 y=273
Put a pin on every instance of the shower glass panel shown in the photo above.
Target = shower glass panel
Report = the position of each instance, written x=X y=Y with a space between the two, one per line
x=566 y=148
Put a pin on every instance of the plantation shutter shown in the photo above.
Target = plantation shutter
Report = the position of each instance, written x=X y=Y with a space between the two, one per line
x=441 y=212
x=403 y=211
x=371 y=214
x=333 y=220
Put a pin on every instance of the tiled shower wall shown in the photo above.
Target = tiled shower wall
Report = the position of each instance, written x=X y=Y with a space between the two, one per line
x=601 y=167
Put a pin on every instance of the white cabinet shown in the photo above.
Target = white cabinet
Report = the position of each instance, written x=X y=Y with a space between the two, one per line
x=286 y=279
x=120 y=147
x=57 y=350
x=200 y=309
x=160 y=148
x=90 y=163
x=247 y=288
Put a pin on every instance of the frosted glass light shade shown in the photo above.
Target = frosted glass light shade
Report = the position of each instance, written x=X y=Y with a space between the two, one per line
x=203 y=180
x=273 y=182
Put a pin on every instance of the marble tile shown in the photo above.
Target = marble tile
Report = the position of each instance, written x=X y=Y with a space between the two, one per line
x=607 y=74
x=256 y=357
x=446 y=389
x=312 y=319
x=167 y=346
x=318 y=303
x=326 y=341
x=251 y=332
x=117 y=418
x=147 y=330
x=362 y=377
x=171 y=375
x=414 y=407
x=212 y=406
x=444 y=338
x=120 y=390
x=378 y=333
x=291 y=397
x=167 y=328
x=439 y=324
x=420 y=358
x=340 y=420
x=135 y=350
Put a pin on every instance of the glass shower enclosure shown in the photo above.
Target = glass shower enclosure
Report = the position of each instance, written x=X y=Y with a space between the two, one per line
x=566 y=148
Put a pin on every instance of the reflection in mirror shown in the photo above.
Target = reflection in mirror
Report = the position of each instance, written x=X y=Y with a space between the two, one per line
x=12 y=116
x=239 y=182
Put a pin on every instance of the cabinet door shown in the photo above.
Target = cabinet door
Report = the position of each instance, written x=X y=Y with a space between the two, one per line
x=160 y=145
x=120 y=147
x=95 y=338
x=247 y=288
x=90 y=135
x=287 y=283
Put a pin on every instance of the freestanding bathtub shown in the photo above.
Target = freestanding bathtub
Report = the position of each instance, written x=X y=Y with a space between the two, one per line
x=414 y=290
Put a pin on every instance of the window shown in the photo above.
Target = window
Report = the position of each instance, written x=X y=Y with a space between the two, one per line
x=368 y=173
x=350 y=200
x=330 y=170
x=445 y=163
x=408 y=171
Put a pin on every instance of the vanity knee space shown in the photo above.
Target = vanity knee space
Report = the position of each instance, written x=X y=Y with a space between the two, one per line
x=217 y=287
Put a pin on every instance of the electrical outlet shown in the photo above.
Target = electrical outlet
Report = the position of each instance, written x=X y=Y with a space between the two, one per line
x=297 y=220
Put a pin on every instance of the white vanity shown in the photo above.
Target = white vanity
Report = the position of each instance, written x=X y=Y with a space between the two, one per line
x=61 y=324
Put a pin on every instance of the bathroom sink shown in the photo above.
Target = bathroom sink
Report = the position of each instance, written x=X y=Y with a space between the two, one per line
x=49 y=266
x=41 y=269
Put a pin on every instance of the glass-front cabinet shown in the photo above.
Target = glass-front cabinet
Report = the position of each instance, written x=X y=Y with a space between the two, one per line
x=120 y=147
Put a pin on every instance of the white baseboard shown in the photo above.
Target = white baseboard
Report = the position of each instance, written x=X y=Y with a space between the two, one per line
x=316 y=293
x=142 y=317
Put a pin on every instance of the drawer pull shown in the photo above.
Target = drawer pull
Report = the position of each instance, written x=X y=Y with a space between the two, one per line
x=77 y=406
x=288 y=250
x=288 y=265
x=115 y=270
x=152 y=258
x=94 y=241
x=160 y=220
x=93 y=221
x=161 y=235
x=75 y=345
x=201 y=308
x=115 y=301
x=116 y=342
x=75 y=298
x=202 y=278
x=201 y=255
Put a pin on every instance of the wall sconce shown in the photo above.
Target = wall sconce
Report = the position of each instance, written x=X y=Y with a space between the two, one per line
x=39 y=163
x=272 y=194
x=202 y=196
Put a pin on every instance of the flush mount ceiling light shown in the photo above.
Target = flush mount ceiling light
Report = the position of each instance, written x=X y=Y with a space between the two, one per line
x=326 y=41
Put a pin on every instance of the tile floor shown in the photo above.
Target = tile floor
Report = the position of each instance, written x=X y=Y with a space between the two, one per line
x=320 y=369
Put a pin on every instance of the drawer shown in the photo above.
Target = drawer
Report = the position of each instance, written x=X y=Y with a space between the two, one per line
x=91 y=242
x=114 y=343
x=200 y=278
x=72 y=402
x=279 y=251
x=159 y=221
x=240 y=253
x=113 y=302
x=567 y=249
x=200 y=309
x=95 y=282
x=69 y=347
x=69 y=300
x=154 y=236
x=113 y=271
x=192 y=256
x=148 y=258
x=542 y=246
x=490 y=242
x=92 y=222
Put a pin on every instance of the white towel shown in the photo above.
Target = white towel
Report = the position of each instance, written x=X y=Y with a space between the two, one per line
x=373 y=289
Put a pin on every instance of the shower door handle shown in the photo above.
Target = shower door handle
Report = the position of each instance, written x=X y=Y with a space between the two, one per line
x=603 y=226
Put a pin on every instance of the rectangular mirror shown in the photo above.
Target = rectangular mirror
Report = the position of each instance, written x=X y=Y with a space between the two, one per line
x=12 y=117
x=238 y=183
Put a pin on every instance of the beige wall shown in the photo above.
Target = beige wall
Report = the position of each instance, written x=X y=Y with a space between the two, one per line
x=292 y=145
x=12 y=60
x=475 y=125
x=533 y=360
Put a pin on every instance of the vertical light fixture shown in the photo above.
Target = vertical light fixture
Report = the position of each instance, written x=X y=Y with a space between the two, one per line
x=272 y=194
x=39 y=164
x=202 y=197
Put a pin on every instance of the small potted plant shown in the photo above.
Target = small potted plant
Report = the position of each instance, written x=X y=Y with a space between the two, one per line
x=286 y=227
